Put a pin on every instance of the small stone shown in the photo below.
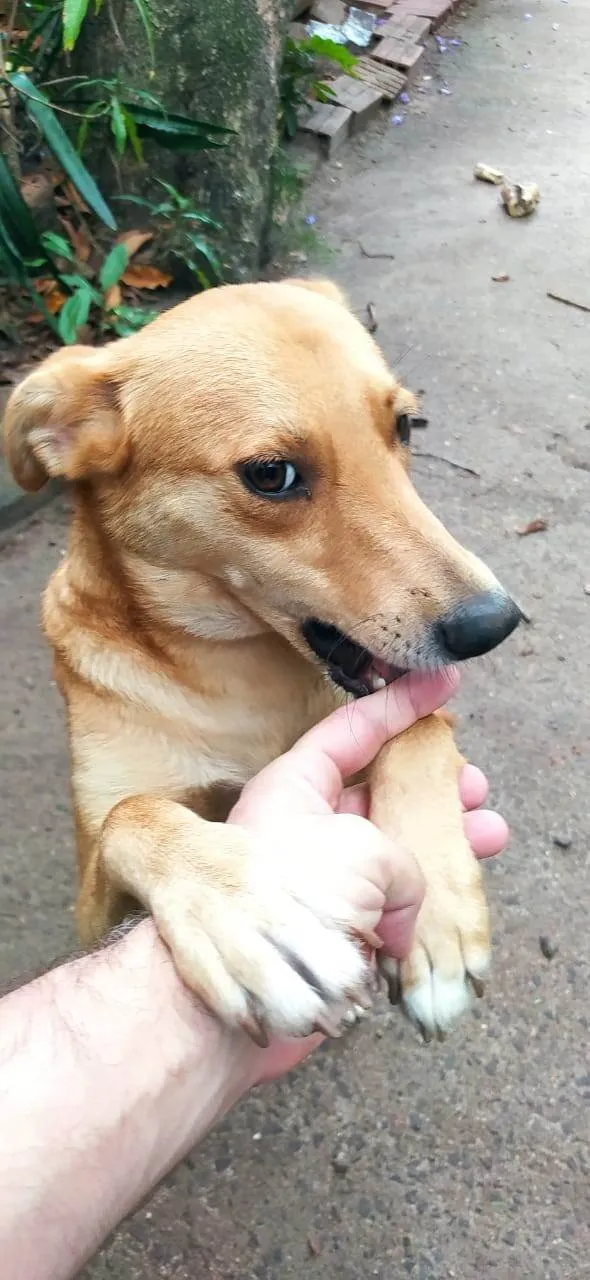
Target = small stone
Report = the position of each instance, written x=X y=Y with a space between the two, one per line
x=314 y=1245
x=341 y=1161
x=562 y=840
x=548 y=948
x=587 y=588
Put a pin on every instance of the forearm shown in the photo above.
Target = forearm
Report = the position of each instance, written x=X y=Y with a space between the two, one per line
x=109 y=1074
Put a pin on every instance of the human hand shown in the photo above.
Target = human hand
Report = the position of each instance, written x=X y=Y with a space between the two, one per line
x=304 y=793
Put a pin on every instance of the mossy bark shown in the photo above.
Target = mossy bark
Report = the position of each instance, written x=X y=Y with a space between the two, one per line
x=216 y=60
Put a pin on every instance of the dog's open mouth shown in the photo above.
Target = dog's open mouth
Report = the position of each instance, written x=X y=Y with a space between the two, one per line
x=350 y=665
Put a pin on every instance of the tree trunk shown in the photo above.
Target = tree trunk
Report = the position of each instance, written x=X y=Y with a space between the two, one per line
x=216 y=60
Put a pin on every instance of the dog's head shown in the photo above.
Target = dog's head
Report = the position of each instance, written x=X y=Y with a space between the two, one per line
x=254 y=437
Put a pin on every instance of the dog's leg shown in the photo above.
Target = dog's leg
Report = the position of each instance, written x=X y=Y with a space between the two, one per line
x=415 y=800
x=252 y=928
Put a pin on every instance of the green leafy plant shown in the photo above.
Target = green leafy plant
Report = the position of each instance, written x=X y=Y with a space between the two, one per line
x=300 y=79
x=40 y=110
x=94 y=297
x=135 y=116
x=183 y=231
x=75 y=11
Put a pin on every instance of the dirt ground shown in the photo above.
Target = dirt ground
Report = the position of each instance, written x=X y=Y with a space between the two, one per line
x=471 y=1157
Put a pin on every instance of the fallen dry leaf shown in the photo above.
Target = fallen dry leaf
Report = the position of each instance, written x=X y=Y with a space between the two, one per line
x=78 y=240
x=145 y=277
x=52 y=297
x=314 y=1245
x=501 y=278
x=54 y=301
x=534 y=526
x=133 y=240
x=112 y=297
x=75 y=198
x=44 y=284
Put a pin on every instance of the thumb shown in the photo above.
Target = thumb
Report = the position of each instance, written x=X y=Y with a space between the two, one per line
x=309 y=778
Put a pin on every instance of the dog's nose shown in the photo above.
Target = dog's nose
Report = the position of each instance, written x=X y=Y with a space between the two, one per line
x=478 y=624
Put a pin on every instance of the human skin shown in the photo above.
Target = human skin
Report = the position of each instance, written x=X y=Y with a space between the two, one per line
x=110 y=1071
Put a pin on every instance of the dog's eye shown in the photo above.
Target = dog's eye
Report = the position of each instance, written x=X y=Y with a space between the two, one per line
x=406 y=423
x=404 y=428
x=272 y=478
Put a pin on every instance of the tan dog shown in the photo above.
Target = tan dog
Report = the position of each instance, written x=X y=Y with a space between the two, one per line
x=246 y=543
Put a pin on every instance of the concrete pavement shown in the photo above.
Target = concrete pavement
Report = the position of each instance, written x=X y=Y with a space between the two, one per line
x=469 y=1158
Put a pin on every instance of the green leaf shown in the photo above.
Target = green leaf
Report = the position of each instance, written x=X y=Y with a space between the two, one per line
x=74 y=314
x=39 y=108
x=118 y=126
x=73 y=15
x=73 y=280
x=140 y=200
x=202 y=218
x=113 y=267
x=146 y=20
x=180 y=142
x=337 y=53
x=82 y=134
x=173 y=122
x=133 y=135
x=12 y=261
x=127 y=320
x=16 y=216
x=58 y=245
x=208 y=254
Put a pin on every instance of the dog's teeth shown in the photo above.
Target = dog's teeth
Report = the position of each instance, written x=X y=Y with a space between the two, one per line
x=378 y=683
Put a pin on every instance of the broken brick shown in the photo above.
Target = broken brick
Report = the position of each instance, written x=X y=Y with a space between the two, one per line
x=329 y=124
x=404 y=27
x=331 y=11
x=388 y=80
x=374 y=6
x=363 y=100
x=400 y=53
x=436 y=10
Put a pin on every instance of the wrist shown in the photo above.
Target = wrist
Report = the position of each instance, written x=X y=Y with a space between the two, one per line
x=172 y=1059
x=111 y=1072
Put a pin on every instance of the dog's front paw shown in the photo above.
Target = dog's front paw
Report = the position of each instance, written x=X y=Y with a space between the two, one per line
x=263 y=952
x=450 y=957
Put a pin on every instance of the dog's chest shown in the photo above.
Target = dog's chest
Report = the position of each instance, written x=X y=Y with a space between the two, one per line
x=185 y=745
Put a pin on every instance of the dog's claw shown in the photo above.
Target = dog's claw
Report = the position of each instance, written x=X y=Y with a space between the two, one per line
x=254 y=1025
x=361 y=997
x=477 y=985
x=256 y=1031
x=394 y=994
x=328 y=1027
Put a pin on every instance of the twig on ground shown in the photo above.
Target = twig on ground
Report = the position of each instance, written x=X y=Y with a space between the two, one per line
x=449 y=462
x=367 y=254
x=373 y=323
x=569 y=302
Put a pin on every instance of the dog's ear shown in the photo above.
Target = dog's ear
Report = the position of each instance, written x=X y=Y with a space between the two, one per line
x=326 y=287
x=64 y=420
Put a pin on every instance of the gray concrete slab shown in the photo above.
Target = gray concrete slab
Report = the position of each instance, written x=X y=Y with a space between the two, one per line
x=470 y=1158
